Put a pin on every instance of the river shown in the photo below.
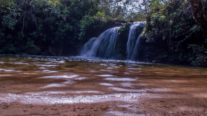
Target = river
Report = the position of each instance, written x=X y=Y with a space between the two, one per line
x=47 y=86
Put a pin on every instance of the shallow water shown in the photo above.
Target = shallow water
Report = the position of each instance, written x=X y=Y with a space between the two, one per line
x=69 y=81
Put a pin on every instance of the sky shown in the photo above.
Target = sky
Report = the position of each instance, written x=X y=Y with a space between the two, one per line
x=131 y=7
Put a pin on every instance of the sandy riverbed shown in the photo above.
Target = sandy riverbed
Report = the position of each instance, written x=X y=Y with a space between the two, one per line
x=36 y=87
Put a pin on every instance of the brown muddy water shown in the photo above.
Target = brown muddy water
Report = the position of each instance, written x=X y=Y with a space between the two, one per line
x=74 y=87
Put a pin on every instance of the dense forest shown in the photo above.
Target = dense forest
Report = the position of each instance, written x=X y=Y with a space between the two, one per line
x=175 y=31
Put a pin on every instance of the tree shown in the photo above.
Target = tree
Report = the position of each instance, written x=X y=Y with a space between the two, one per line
x=198 y=10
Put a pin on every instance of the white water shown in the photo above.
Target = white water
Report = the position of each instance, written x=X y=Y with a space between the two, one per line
x=102 y=46
x=134 y=33
x=105 y=46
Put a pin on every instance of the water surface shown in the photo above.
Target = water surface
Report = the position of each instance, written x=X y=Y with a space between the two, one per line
x=121 y=87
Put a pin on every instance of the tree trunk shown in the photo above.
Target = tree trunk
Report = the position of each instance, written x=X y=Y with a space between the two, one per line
x=199 y=13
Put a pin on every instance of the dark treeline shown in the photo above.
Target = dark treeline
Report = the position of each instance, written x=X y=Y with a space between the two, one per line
x=48 y=27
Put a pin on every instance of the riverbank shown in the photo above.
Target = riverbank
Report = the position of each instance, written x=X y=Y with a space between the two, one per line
x=92 y=59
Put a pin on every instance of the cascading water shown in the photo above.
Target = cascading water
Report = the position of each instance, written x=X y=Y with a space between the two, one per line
x=134 y=33
x=103 y=46
x=87 y=48
x=137 y=43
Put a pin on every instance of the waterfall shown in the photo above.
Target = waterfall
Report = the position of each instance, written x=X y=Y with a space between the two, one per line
x=133 y=39
x=103 y=46
x=107 y=46
x=87 y=48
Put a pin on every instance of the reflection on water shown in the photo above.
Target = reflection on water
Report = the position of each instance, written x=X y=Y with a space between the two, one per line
x=50 y=100
x=72 y=81
x=61 y=77
x=120 y=79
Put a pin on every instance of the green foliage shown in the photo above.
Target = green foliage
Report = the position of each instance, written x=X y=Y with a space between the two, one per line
x=156 y=6
x=100 y=14
x=6 y=3
x=172 y=29
x=45 y=26
x=85 y=23
x=54 y=2
x=9 y=22
x=199 y=56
